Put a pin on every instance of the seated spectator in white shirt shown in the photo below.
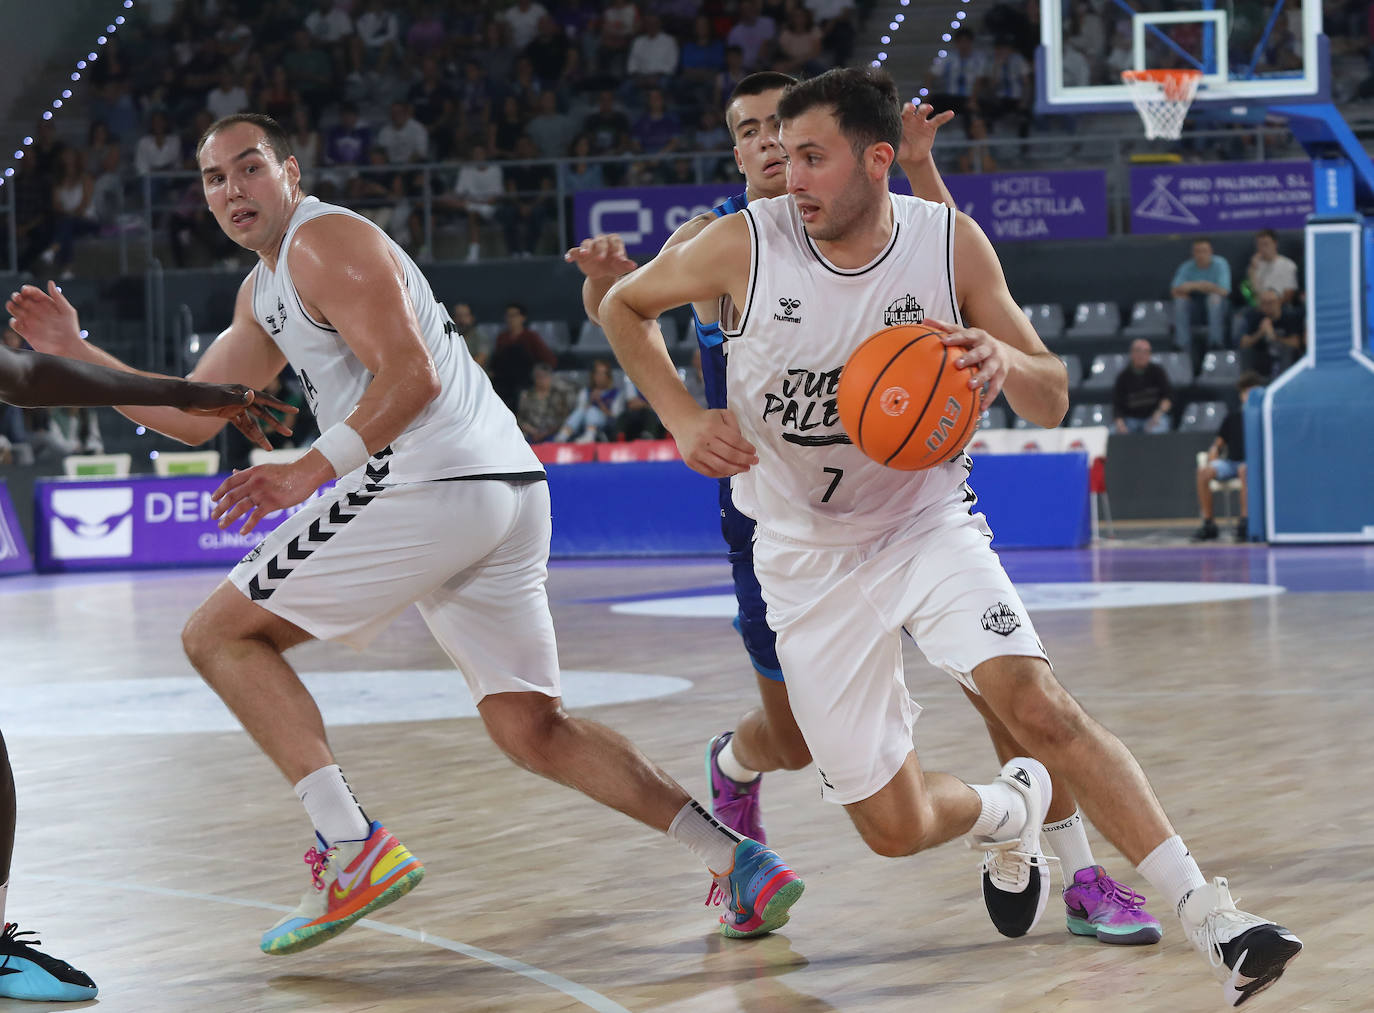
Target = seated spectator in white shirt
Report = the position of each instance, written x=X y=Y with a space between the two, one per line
x=1270 y=269
x=403 y=139
x=227 y=97
x=522 y=18
x=329 y=23
x=157 y=150
x=653 y=54
x=479 y=186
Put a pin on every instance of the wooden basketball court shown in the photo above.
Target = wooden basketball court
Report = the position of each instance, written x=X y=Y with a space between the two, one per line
x=153 y=857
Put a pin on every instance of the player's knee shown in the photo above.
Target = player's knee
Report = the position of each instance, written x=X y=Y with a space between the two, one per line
x=1043 y=714
x=793 y=753
x=525 y=727
x=899 y=838
x=198 y=639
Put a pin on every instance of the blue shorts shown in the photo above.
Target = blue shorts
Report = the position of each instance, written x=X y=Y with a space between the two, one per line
x=1226 y=469
x=752 y=619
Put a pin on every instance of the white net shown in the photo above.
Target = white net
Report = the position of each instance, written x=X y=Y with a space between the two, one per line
x=1162 y=98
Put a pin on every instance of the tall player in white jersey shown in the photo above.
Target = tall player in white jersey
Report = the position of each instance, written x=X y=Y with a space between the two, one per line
x=439 y=503
x=849 y=553
x=767 y=738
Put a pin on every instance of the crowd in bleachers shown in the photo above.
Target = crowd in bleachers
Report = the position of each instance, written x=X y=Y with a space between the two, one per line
x=366 y=87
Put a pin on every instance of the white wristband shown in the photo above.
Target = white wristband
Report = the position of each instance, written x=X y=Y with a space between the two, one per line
x=343 y=448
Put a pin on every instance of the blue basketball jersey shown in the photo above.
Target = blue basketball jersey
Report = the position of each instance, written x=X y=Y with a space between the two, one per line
x=710 y=339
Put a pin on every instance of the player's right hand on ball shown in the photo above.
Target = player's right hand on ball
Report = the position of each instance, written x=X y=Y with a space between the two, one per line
x=711 y=442
x=601 y=256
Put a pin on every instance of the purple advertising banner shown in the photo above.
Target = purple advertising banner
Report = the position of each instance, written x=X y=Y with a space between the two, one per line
x=14 y=553
x=1070 y=204
x=1229 y=196
x=645 y=216
x=130 y=523
x=1011 y=206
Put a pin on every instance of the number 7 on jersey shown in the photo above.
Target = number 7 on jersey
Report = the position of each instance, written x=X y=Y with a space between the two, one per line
x=834 y=482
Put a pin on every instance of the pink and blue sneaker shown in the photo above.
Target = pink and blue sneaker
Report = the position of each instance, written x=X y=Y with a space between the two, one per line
x=734 y=803
x=1100 y=906
x=757 y=892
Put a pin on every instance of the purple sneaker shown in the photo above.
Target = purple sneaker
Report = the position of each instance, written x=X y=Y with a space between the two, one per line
x=734 y=804
x=1100 y=906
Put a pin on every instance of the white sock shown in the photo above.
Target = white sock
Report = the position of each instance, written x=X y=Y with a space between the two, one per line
x=332 y=806
x=1003 y=810
x=731 y=767
x=1068 y=839
x=4 y=889
x=706 y=837
x=1171 y=870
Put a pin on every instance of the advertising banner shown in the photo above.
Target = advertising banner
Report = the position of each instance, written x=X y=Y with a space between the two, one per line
x=1011 y=206
x=645 y=216
x=14 y=553
x=1228 y=196
x=132 y=523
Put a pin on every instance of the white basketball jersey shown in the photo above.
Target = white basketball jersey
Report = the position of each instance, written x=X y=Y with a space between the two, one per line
x=466 y=430
x=801 y=319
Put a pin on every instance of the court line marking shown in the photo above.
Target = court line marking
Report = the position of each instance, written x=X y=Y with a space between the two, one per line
x=586 y=996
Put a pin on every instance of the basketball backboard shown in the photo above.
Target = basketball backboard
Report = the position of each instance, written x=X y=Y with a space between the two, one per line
x=1250 y=52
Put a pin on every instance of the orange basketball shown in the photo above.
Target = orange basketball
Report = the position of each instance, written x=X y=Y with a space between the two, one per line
x=902 y=401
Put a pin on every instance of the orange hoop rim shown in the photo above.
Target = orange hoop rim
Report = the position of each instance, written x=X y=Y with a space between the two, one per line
x=1176 y=83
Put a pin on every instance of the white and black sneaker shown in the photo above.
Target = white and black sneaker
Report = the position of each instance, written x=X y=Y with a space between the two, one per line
x=1247 y=953
x=1016 y=876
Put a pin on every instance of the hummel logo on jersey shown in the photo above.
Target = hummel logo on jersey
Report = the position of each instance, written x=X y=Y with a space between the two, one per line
x=1021 y=776
x=905 y=310
x=788 y=306
x=277 y=321
x=1001 y=619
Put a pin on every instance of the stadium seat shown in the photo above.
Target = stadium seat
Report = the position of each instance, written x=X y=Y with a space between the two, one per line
x=1202 y=416
x=187 y=462
x=1095 y=320
x=1149 y=319
x=993 y=417
x=592 y=338
x=638 y=450
x=1220 y=369
x=554 y=332
x=1178 y=366
x=1105 y=369
x=1090 y=415
x=1047 y=319
x=564 y=453
x=1018 y=422
x=1075 y=367
x=96 y=465
x=1230 y=488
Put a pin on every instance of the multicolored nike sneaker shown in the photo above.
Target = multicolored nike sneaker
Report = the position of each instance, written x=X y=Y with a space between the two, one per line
x=28 y=973
x=349 y=880
x=1099 y=906
x=734 y=803
x=757 y=892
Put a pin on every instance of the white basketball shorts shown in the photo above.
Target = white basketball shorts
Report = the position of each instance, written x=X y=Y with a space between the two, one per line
x=471 y=554
x=839 y=614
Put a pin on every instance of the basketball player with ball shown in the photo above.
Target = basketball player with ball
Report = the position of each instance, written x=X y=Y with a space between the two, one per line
x=849 y=553
x=767 y=738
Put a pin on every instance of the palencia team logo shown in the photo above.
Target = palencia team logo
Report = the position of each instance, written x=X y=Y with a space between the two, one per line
x=905 y=310
x=1001 y=619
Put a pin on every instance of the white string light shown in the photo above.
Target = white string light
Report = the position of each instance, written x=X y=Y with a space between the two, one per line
x=81 y=65
x=956 y=24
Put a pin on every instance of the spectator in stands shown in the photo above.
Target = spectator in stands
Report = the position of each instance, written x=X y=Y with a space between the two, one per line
x=229 y=96
x=608 y=126
x=658 y=130
x=507 y=129
x=329 y=23
x=497 y=55
x=475 y=335
x=548 y=52
x=1273 y=335
x=474 y=95
x=703 y=57
x=1269 y=269
x=529 y=202
x=753 y=34
x=522 y=20
x=426 y=33
x=348 y=141
x=731 y=75
x=524 y=86
x=653 y=55
x=638 y=421
x=478 y=188
x=1007 y=88
x=977 y=157
x=1201 y=286
x=377 y=37
x=619 y=25
x=514 y=354
x=432 y=102
x=403 y=139
x=310 y=71
x=73 y=216
x=14 y=432
x=838 y=32
x=1225 y=461
x=157 y=150
x=598 y=409
x=552 y=131
x=305 y=144
x=98 y=142
x=581 y=174
x=107 y=196
x=544 y=405
x=954 y=78
x=55 y=433
x=1142 y=395
x=277 y=99
x=799 y=45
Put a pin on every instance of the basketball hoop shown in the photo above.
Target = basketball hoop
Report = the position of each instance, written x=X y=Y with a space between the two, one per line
x=1162 y=98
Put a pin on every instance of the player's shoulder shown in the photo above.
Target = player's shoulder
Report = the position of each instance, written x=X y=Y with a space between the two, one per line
x=689 y=229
